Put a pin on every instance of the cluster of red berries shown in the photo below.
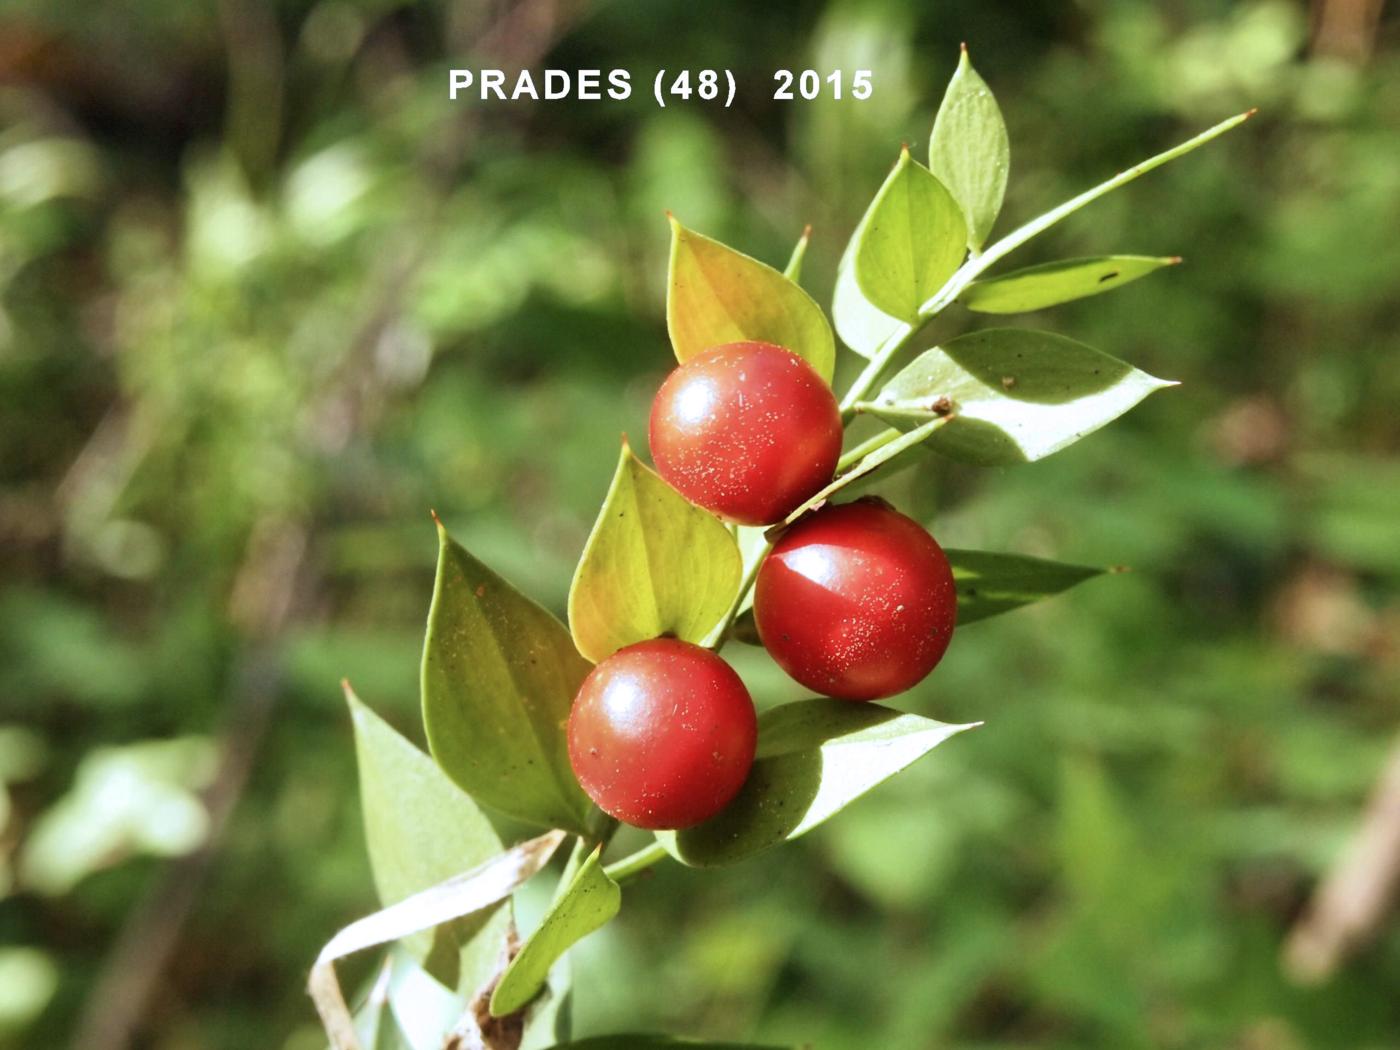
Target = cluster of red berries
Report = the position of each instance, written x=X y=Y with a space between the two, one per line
x=854 y=601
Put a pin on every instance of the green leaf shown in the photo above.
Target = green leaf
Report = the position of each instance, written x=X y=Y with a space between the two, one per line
x=499 y=676
x=717 y=295
x=969 y=150
x=654 y=564
x=793 y=270
x=1011 y=395
x=589 y=902
x=989 y=583
x=861 y=325
x=912 y=241
x=815 y=757
x=1049 y=284
x=420 y=829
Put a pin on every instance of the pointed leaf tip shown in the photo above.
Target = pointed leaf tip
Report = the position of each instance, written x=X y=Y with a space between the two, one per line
x=969 y=150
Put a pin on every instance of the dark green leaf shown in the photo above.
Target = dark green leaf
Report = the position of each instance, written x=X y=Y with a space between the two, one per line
x=653 y=565
x=1037 y=287
x=815 y=757
x=716 y=295
x=499 y=676
x=989 y=583
x=1011 y=395
x=587 y=903
x=912 y=241
x=969 y=150
x=421 y=829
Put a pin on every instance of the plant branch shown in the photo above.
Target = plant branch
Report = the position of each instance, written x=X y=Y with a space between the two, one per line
x=726 y=626
x=866 y=447
x=634 y=864
x=977 y=264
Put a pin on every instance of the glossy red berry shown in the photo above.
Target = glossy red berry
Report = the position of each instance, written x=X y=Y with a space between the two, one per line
x=747 y=430
x=856 y=601
x=662 y=734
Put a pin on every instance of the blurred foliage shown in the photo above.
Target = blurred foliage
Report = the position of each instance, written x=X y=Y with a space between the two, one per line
x=258 y=277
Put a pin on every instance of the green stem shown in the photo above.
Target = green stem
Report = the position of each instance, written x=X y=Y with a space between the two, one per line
x=577 y=856
x=600 y=833
x=635 y=863
x=722 y=632
x=869 y=445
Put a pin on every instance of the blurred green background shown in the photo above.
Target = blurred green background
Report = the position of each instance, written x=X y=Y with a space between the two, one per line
x=266 y=296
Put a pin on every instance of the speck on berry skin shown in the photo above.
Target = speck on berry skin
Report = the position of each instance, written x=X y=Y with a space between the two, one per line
x=856 y=601
x=746 y=430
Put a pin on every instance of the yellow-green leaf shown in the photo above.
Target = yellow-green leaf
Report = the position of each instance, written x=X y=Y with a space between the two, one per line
x=969 y=150
x=717 y=295
x=499 y=676
x=911 y=242
x=589 y=901
x=653 y=565
x=1049 y=284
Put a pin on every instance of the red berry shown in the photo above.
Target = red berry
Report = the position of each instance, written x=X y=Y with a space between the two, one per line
x=662 y=734
x=747 y=430
x=856 y=601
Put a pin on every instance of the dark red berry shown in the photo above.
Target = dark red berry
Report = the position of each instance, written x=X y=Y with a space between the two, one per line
x=662 y=734
x=747 y=430
x=856 y=601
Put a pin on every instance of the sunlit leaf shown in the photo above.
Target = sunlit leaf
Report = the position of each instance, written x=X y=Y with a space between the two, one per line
x=1011 y=395
x=990 y=583
x=1037 y=287
x=911 y=242
x=499 y=676
x=717 y=295
x=588 y=902
x=654 y=564
x=815 y=757
x=861 y=325
x=969 y=150
x=421 y=829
